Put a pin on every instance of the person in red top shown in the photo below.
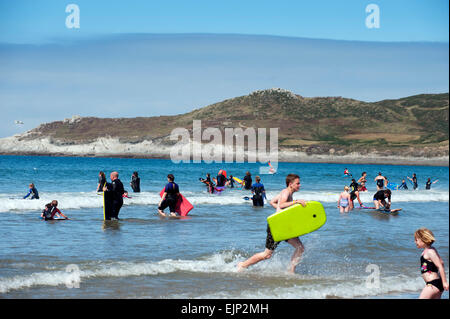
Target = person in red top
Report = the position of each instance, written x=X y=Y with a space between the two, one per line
x=347 y=173
x=51 y=210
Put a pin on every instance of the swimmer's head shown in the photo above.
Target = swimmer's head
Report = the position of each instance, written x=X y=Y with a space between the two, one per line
x=425 y=235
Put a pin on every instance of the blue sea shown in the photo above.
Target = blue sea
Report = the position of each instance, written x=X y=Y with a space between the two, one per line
x=362 y=254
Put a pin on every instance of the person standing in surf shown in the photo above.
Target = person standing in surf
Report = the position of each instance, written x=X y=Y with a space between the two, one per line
x=354 y=194
x=429 y=182
x=344 y=200
x=208 y=183
x=281 y=201
x=247 y=181
x=169 y=198
x=116 y=190
x=101 y=181
x=221 y=179
x=363 y=178
x=431 y=265
x=231 y=182
x=380 y=180
x=259 y=193
x=413 y=180
x=135 y=182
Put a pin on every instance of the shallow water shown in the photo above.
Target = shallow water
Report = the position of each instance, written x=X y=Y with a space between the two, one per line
x=142 y=256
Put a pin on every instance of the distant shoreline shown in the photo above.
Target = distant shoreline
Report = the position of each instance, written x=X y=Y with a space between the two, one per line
x=156 y=149
x=324 y=159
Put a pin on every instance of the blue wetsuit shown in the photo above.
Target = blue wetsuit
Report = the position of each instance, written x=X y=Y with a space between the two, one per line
x=33 y=192
x=258 y=194
x=403 y=186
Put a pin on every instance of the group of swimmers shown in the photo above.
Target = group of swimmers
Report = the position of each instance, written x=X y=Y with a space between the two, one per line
x=114 y=199
x=115 y=192
x=381 y=199
x=218 y=184
x=135 y=182
x=382 y=181
x=432 y=266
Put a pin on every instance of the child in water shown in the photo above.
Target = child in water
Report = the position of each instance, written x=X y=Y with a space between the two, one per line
x=51 y=210
x=33 y=192
x=431 y=265
x=344 y=200
x=281 y=201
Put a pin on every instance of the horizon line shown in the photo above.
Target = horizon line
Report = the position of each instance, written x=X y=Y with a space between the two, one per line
x=58 y=39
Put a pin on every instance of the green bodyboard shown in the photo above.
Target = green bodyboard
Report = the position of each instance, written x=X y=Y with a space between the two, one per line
x=296 y=220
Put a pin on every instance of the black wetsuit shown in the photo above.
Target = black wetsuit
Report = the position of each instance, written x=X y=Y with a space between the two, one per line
x=380 y=183
x=50 y=211
x=47 y=213
x=258 y=194
x=171 y=198
x=247 y=182
x=208 y=183
x=114 y=198
x=353 y=188
x=414 y=180
x=221 y=180
x=102 y=182
x=135 y=184
x=381 y=196
x=428 y=185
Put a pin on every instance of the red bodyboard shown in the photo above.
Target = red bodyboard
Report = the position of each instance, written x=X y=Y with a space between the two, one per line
x=183 y=206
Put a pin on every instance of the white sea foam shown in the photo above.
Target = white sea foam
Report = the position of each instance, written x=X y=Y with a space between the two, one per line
x=355 y=288
x=317 y=286
x=216 y=263
x=14 y=203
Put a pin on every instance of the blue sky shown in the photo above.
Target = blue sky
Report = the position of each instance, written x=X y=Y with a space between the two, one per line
x=31 y=21
x=148 y=58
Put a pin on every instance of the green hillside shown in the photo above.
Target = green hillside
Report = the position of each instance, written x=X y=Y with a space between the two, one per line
x=313 y=125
